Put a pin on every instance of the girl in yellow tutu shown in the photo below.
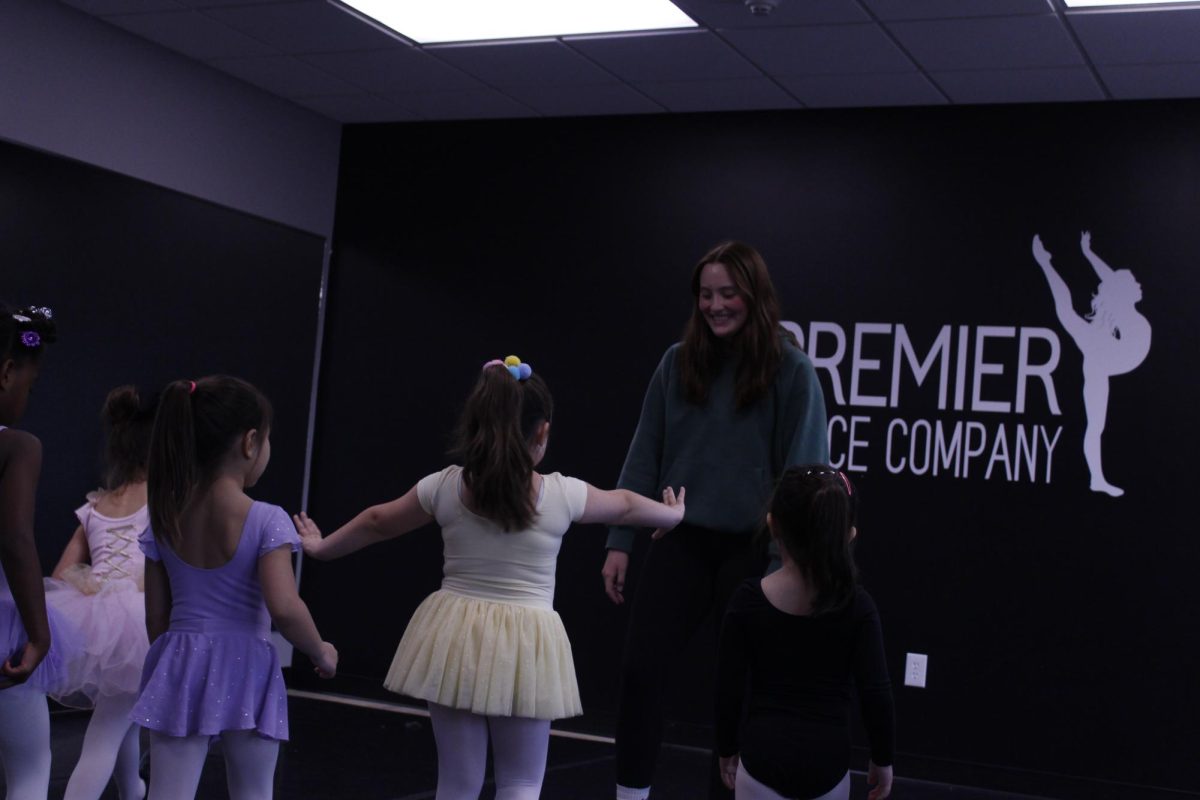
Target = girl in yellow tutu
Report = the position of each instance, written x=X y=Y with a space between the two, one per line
x=487 y=651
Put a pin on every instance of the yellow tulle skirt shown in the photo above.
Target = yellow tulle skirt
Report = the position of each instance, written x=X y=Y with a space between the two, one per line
x=487 y=657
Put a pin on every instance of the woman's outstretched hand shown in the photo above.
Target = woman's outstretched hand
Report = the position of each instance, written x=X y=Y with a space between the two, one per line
x=616 y=564
x=676 y=504
x=310 y=534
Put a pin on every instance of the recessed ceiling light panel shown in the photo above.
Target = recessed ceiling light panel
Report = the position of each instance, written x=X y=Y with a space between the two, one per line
x=1097 y=3
x=428 y=21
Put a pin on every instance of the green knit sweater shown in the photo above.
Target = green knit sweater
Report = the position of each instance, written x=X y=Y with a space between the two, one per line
x=728 y=460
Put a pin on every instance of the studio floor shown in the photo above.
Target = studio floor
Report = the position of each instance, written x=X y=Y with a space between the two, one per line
x=375 y=751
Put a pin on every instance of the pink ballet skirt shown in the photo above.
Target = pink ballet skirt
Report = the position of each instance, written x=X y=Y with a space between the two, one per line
x=113 y=643
x=105 y=602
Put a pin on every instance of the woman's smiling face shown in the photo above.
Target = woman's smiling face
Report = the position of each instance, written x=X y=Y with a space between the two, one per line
x=720 y=301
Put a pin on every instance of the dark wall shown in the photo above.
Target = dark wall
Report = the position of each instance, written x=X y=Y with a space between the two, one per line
x=1059 y=622
x=148 y=286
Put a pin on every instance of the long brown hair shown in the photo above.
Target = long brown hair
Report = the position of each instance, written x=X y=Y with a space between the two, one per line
x=196 y=425
x=757 y=345
x=493 y=439
x=813 y=509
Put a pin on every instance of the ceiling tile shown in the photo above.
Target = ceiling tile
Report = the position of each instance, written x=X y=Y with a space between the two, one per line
x=862 y=91
x=1063 y=84
x=821 y=50
x=284 y=76
x=578 y=101
x=403 y=69
x=1136 y=81
x=950 y=9
x=524 y=63
x=313 y=26
x=666 y=57
x=1158 y=36
x=740 y=94
x=735 y=14
x=357 y=108
x=102 y=7
x=478 y=104
x=992 y=43
x=192 y=34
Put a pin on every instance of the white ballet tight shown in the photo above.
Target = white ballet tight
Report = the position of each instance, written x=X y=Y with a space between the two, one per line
x=110 y=748
x=177 y=761
x=25 y=743
x=519 y=748
x=750 y=789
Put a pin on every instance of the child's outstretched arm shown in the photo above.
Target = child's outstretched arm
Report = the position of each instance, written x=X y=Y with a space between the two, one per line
x=20 y=465
x=623 y=507
x=76 y=552
x=289 y=612
x=376 y=524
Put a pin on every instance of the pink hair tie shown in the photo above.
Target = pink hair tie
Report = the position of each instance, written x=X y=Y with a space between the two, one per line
x=191 y=387
x=495 y=362
x=845 y=480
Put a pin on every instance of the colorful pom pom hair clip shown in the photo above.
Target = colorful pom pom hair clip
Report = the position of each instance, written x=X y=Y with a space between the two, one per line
x=514 y=366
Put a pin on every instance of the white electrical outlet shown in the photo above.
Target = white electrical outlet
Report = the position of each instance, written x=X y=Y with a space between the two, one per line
x=915 y=667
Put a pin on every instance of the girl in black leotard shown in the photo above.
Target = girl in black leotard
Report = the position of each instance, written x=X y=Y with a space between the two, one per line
x=807 y=635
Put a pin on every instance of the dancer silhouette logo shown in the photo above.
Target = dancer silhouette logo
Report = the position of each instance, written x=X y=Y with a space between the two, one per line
x=1114 y=339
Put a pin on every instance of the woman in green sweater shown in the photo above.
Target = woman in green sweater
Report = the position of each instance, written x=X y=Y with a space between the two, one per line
x=727 y=410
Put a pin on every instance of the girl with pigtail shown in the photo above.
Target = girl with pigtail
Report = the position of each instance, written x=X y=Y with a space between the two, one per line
x=487 y=651
x=218 y=572
x=795 y=647
x=98 y=586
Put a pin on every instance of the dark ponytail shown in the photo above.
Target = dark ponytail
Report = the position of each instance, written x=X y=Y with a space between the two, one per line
x=196 y=424
x=813 y=510
x=493 y=439
x=128 y=422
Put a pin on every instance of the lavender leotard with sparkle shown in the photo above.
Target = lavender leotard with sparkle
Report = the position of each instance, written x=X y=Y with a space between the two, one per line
x=215 y=668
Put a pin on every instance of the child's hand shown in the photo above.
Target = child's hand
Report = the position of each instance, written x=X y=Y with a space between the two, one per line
x=729 y=767
x=310 y=534
x=18 y=670
x=676 y=505
x=326 y=661
x=881 y=779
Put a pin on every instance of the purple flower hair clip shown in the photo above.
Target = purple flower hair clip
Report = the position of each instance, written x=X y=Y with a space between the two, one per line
x=31 y=339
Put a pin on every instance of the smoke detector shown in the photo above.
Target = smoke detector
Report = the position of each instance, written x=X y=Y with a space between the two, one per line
x=761 y=8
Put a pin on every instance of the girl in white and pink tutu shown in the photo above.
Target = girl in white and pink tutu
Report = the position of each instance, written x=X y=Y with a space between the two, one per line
x=98 y=584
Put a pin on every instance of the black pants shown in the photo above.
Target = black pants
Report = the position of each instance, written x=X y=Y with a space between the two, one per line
x=687 y=574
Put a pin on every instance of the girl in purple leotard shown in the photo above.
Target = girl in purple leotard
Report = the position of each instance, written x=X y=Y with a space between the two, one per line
x=218 y=572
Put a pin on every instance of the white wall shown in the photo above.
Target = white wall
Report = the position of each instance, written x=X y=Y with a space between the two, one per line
x=76 y=87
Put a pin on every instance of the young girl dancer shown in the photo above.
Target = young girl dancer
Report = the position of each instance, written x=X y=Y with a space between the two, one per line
x=98 y=585
x=804 y=634
x=31 y=666
x=218 y=571
x=487 y=650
